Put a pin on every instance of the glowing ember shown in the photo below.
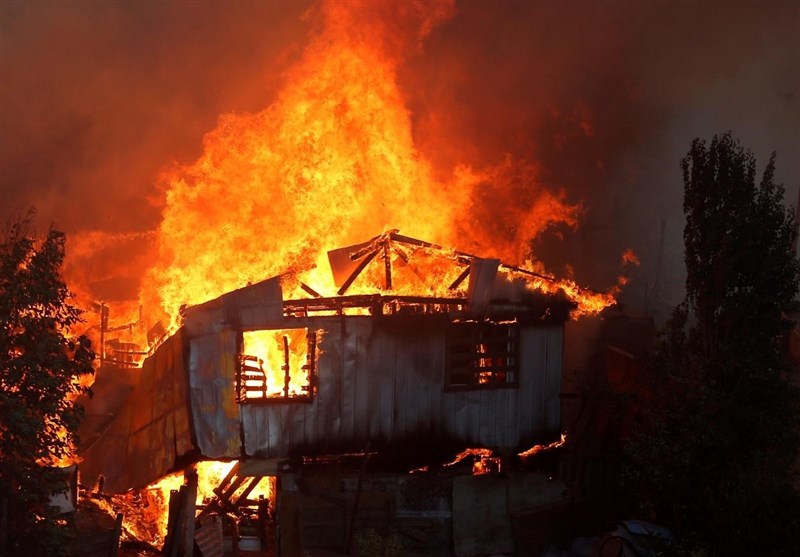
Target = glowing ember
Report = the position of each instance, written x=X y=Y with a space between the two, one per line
x=541 y=448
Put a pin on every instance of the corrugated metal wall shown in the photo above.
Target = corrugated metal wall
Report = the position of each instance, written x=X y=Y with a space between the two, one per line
x=153 y=428
x=380 y=378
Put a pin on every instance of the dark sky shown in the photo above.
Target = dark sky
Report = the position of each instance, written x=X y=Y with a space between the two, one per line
x=605 y=97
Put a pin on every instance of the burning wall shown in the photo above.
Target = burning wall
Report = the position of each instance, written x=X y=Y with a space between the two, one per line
x=479 y=369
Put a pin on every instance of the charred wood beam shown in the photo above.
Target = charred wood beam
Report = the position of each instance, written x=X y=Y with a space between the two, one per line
x=115 y=535
x=308 y=290
x=401 y=254
x=354 y=275
x=460 y=255
x=527 y=272
x=387 y=265
x=287 y=376
x=173 y=518
x=456 y=283
x=306 y=305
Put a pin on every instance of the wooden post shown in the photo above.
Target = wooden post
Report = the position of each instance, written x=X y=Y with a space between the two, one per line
x=187 y=532
x=170 y=548
x=287 y=376
x=115 y=534
x=387 y=264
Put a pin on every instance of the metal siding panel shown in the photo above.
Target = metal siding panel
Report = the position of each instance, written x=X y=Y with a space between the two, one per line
x=386 y=372
x=330 y=364
x=552 y=421
x=439 y=411
x=180 y=379
x=374 y=380
x=350 y=349
x=424 y=380
x=211 y=381
x=255 y=422
x=274 y=432
x=310 y=421
x=360 y=391
x=162 y=430
x=402 y=369
x=297 y=415
x=488 y=408
x=530 y=380
x=511 y=417
x=287 y=428
x=461 y=416
x=473 y=400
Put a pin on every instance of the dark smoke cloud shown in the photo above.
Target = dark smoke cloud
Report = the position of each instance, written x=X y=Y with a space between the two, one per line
x=99 y=97
x=606 y=98
x=603 y=98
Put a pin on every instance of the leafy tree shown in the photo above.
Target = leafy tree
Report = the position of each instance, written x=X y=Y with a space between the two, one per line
x=40 y=369
x=716 y=456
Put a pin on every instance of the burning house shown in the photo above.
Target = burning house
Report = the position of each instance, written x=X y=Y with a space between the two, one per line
x=283 y=386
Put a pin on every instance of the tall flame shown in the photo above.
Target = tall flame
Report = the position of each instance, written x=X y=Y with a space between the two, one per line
x=332 y=162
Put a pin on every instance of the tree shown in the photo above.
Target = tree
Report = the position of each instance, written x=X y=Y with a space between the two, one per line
x=40 y=371
x=716 y=456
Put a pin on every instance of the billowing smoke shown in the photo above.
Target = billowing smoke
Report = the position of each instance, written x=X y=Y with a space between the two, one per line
x=599 y=101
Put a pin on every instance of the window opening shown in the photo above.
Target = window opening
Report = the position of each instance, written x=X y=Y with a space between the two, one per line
x=482 y=356
x=277 y=365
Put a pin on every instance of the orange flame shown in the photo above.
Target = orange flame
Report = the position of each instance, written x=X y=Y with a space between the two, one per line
x=331 y=162
x=209 y=476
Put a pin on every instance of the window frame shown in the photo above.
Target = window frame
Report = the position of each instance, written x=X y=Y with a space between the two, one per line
x=244 y=364
x=481 y=356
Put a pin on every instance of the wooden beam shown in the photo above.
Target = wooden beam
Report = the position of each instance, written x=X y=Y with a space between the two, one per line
x=354 y=275
x=308 y=290
x=387 y=265
x=456 y=283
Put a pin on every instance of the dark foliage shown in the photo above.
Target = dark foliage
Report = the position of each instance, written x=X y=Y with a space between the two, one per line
x=716 y=456
x=40 y=366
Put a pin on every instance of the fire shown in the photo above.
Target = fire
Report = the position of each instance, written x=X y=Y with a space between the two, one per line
x=331 y=162
x=541 y=448
x=210 y=474
x=279 y=363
